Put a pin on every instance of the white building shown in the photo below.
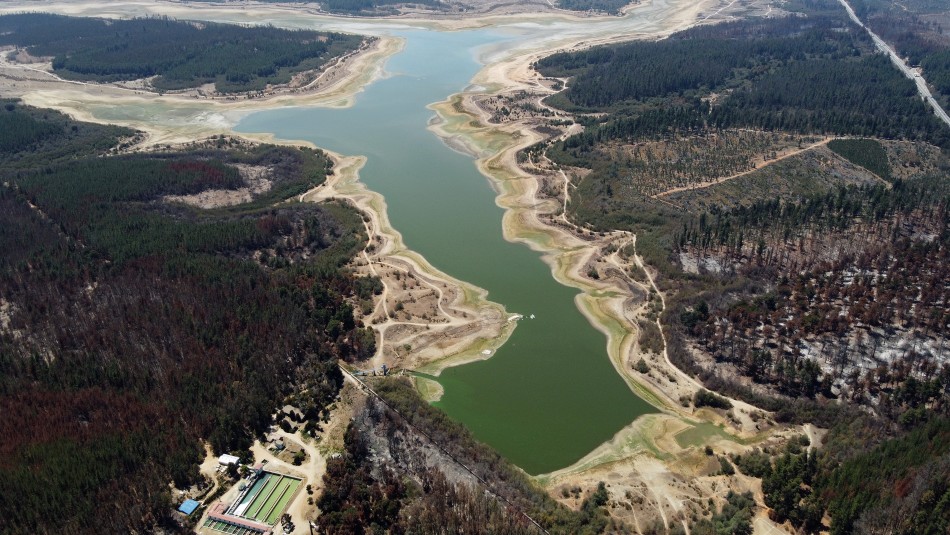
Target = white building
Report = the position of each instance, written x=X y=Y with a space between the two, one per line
x=226 y=460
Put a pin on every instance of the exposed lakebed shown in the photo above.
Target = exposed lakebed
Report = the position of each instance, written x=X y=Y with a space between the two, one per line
x=550 y=394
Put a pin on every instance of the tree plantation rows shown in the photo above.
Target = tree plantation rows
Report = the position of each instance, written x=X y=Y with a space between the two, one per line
x=868 y=153
x=805 y=303
x=178 y=54
x=762 y=232
x=133 y=328
x=653 y=167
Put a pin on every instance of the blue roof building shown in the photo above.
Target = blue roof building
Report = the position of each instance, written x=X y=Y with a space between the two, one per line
x=189 y=506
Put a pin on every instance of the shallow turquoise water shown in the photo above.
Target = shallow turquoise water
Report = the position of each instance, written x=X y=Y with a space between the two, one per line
x=549 y=395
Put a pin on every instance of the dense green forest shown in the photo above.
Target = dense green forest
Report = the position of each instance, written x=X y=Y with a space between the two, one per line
x=868 y=153
x=702 y=58
x=133 y=328
x=757 y=68
x=918 y=30
x=178 y=54
x=364 y=7
x=805 y=304
x=409 y=492
x=376 y=7
x=34 y=138
x=605 y=6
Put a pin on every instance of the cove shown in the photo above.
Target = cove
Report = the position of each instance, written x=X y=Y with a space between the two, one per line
x=549 y=395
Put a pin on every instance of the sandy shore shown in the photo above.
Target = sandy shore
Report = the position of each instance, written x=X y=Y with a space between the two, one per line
x=489 y=13
x=529 y=215
x=426 y=320
x=175 y=119
x=450 y=321
x=645 y=466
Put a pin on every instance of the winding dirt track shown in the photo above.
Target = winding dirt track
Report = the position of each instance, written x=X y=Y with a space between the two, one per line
x=766 y=163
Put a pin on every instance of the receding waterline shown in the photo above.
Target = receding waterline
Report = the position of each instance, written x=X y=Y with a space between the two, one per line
x=549 y=395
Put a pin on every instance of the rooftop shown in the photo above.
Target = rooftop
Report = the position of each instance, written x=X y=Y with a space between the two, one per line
x=189 y=506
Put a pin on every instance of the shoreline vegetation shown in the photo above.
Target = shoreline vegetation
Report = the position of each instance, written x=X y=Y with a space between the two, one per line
x=37 y=88
x=478 y=326
x=644 y=164
x=214 y=59
x=466 y=327
x=465 y=12
x=638 y=452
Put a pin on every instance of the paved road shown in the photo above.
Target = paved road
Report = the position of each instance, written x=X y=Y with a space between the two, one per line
x=908 y=72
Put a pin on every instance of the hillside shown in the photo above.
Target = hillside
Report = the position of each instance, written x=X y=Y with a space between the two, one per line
x=407 y=468
x=134 y=326
x=799 y=236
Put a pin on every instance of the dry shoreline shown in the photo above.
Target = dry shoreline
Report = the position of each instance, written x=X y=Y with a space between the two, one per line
x=455 y=323
x=252 y=12
x=452 y=323
x=37 y=87
x=634 y=458
x=449 y=323
x=462 y=123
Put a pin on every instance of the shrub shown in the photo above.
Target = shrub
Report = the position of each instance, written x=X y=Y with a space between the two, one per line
x=705 y=398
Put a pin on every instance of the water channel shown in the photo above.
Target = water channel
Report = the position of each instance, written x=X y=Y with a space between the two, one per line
x=550 y=394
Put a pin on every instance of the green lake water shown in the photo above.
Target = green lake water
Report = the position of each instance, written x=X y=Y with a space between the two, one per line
x=549 y=395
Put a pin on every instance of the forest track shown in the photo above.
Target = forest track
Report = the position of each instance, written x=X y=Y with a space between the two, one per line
x=744 y=408
x=760 y=166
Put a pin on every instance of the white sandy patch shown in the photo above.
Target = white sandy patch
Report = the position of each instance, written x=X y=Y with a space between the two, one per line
x=257 y=182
